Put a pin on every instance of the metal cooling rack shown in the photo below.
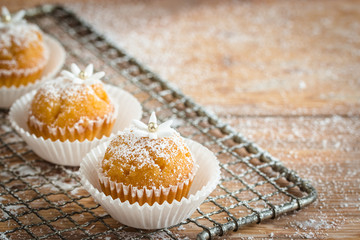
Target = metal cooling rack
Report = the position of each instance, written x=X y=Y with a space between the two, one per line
x=40 y=200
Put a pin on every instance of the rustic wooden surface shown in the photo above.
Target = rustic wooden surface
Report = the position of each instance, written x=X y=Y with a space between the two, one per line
x=286 y=74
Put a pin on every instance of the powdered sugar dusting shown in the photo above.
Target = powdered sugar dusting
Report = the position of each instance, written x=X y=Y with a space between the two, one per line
x=294 y=51
x=20 y=35
x=323 y=151
x=130 y=154
x=60 y=96
x=15 y=37
x=3 y=236
x=13 y=209
x=257 y=49
x=25 y=170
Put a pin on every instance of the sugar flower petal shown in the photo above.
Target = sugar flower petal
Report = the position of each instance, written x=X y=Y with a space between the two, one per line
x=67 y=74
x=98 y=75
x=140 y=125
x=18 y=16
x=140 y=133
x=7 y=19
x=4 y=11
x=89 y=70
x=75 y=69
x=163 y=130
x=165 y=125
x=87 y=76
x=153 y=118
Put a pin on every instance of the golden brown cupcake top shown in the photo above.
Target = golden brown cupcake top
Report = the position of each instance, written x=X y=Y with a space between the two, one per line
x=144 y=162
x=140 y=160
x=69 y=101
x=21 y=43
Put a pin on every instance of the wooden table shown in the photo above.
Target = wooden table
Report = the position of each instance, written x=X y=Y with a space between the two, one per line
x=286 y=74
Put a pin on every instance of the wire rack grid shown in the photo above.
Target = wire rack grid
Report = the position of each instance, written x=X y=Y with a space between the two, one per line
x=41 y=200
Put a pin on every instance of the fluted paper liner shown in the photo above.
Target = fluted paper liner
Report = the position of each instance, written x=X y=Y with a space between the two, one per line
x=155 y=216
x=71 y=153
x=94 y=129
x=144 y=195
x=15 y=77
x=55 y=61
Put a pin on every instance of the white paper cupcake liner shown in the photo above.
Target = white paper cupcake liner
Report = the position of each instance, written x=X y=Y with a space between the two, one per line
x=56 y=59
x=143 y=194
x=71 y=153
x=76 y=131
x=24 y=72
x=155 y=216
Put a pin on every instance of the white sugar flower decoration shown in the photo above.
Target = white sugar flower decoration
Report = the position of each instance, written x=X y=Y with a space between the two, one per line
x=152 y=130
x=87 y=76
x=8 y=19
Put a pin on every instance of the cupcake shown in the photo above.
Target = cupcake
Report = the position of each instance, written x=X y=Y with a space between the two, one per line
x=74 y=106
x=23 y=55
x=58 y=119
x=147 y=164
x=116 y=178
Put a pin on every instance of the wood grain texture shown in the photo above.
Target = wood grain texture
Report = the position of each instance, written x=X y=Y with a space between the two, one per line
x=284 y=73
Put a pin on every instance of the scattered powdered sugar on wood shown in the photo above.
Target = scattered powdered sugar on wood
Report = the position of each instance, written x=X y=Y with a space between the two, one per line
x=5 y=174
x=3 y=214
x=25 y=170
x=301 y=132
x=306 y=77
x=313 y=224
x=76 y=191
x=181 y=227
x=13 y=209
x=3 y=236
x=50 y=187
x=68 y=185
x=71 y=172
x=324 y=163
x=6 y=128
x=2 y=199
x=263 y=57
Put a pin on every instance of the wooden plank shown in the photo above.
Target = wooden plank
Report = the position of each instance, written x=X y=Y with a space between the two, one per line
x=326 y=152
x=284 y=73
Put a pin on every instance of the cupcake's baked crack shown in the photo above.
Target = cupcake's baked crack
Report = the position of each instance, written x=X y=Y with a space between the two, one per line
x=69 y=103
x=23 y=54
